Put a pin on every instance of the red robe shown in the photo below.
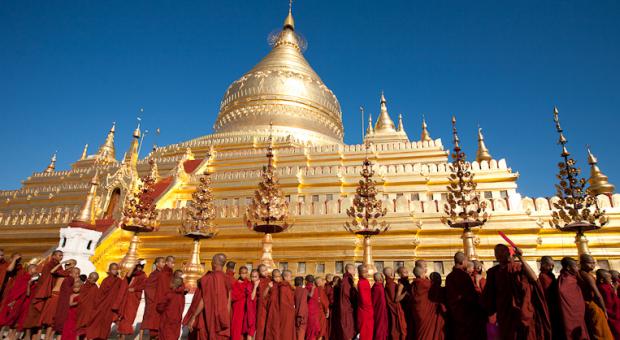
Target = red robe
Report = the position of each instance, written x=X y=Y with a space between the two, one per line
x=519 y=302
x=612 y=305
x=249 y=317
x=406 y=305
x=572 y=307
x=301 y=312
x=324 y=310
x=23 y=314
x=365 y=315
x=313 y=326
x=69 y=325
x=237 y=297
x=130 y=303
x=272 y=326
x=396 y=316
x=329 y=292
x=261 y=308
x=106 y=308
x=198 y=329
x=14 y=300
x=86 y=306
x=156 y=287
x=40 y=295
x=346 y=307
x=381 y=324
x=215 y=291
x=467 y=317
x=170 y=310
x=428 y=310
x=48 y=314
x=595 y=316
x=287 y=311
x=62 y=308
x=549 y=285
x=3 y=275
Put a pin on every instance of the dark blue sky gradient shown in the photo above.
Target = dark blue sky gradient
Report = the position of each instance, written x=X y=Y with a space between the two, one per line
x=70 y=68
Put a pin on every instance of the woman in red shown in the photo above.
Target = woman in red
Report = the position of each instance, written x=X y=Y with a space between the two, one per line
x=249 y=318
x=313 y=327
x=69 y=329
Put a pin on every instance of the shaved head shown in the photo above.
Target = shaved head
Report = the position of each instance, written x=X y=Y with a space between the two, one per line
x=460 y=259
x=388 y=272
x=419 y=272
x=378 y=277
x=218 y=260
x=230 y=265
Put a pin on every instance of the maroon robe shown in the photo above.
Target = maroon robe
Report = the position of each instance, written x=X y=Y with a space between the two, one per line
x=347 y=307
x=238 y=299
x=406 y=305
x=106 y=308
x=549 y=285
x=40 y=295
x=301 y=312
x=287 y=311
x=62 y=308
x=272 y=326
x=152 y=294
x=396 y=316
x=365 y=314
x=428 y=310
x=14 y=300
x=86 y=306
x=313 y=326
x=612 y=305
x=261 y=308
x=467 y=318
x=199 y=328
x=170 y=310
x=381 y=324
x=131 y=302
x=323 y=311
x=215 y=292
x=572 y=307
x=249 y=317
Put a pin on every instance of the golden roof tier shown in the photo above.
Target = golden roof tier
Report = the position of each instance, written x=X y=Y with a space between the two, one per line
x=283 y=89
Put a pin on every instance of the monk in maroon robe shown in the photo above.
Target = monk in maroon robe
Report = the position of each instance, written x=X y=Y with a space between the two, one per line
x=87 y=303
x=153 y=292
x=428 y=306
x=347 y=304
x=467 y=317
x=287 y=306
x=406 y=302
x=365 y=314
x=572 y=305
x=549 y=285
x=323 y=308
x=379 y=306
x=513 y=291
x=261 y=302
x=132 y=294
x=301 y=309
x=106 y=305
x=15 y=300
x=215 y=301
x=7 y=269
x=596 y=313
x=272 y=324
x=48 y=314
x=198 y=330
x=612 y=302
x=171 y=311
x=62 y=308
x=313 y=326
x=393 y=296
x=238 y=299
x=249 y=317
x=334 y=322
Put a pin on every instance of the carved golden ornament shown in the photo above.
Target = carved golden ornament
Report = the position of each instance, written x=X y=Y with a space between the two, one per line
x=139 y=212
x=199 y=222
x=576 y=209
x=464 y=209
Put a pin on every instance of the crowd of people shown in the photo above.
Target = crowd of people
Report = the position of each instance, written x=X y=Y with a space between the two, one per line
x=509 y=301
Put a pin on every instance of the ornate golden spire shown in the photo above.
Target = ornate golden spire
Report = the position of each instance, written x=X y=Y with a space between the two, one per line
x=200 y=220
x=140 y=209
x=483 y=153
x=289 y=22
x=84 y=152
x=400 y=128
x=369 y=130
x=106 y=151
x=425 y=136
x=52 y=166
x=131 y=157
x=384 y=123
x=86 y=216
x=599 y=183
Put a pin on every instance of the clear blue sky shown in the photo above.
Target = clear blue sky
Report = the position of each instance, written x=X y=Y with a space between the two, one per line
x=70 y=68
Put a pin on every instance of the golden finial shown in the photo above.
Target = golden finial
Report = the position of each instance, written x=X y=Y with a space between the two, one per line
x=52 y=166
x=483 y=153
x=289 y=21
x=384 y=122
x=425 y=136
x=84 y=152
x=369 y=130
x=86 y=217
x=131 y=157
x=106 y=151
x=400 y=128
x=599 y=183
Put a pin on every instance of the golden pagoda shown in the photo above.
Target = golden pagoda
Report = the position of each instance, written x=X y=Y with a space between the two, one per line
x=318 y=176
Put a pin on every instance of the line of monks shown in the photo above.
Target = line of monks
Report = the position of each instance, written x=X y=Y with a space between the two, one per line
x=509 y=301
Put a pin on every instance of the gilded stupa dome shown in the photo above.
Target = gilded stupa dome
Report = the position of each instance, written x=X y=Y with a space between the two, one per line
x=282 y=89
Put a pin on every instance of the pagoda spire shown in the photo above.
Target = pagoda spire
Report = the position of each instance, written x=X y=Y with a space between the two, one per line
x=425 y=136
x=86 y=216
x=384 y=122
x=52 y=166
x=483 y=153
x=599 y=183
x=84 y=152
x=106 y=151
x=131 y=157
x=401 y=128
x=369 y=130
x=289 y=22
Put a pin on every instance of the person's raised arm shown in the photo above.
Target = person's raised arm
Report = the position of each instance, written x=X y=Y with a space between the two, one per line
x=14 y=259
x=529 y=272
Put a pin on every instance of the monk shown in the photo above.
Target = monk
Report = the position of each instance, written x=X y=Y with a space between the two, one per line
x=7 y=268
x=301 y=309
x=379 y=307
x=513 y=291
x=87 y=303
x=549 y=285
x=215 y=301
x=152 y=294
x=48 y=313
x=572 y=305
x=69 y=327
x=15 y=300
x=198 y=329
x=334 y=322
x=467 y=318
x=261 y=302
x=230 y=270
x=394 y=294
x=428 y=306
x=287 y=306
x=30 y=291
x=238 y=301
x=405 y=303
x=272 y=323
x=106 y=305
x=249 y=318
x=329 y=292
x=347 y=304
x=171 y=311
x=313 y=326
x=615 y=279
x=596 y=313
x=65 y=292
x=612 y=303
x=365 y=315
x=323 y=307
x=134 y=284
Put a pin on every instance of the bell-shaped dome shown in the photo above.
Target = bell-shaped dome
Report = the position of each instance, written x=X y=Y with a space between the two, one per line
x=284 y=90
